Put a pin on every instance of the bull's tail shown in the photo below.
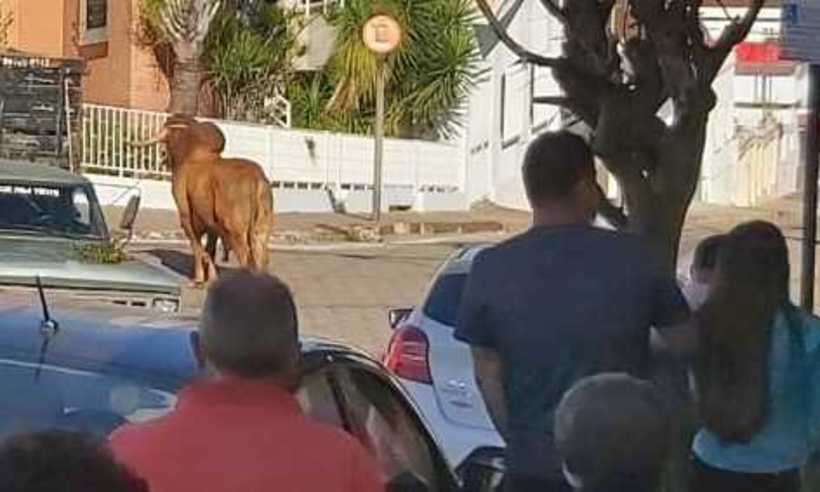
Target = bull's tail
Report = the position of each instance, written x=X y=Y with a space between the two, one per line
x=259 y=227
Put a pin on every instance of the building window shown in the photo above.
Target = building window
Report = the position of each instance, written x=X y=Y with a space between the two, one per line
x=93 y=21
x=514 y=93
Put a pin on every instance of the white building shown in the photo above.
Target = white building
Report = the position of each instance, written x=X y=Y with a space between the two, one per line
x=501 y=118
x=754 y=84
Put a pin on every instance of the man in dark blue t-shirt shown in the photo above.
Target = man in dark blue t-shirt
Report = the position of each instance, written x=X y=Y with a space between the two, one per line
x=558 y=303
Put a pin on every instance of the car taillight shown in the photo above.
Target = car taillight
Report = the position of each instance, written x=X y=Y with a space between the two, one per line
x=407 y=354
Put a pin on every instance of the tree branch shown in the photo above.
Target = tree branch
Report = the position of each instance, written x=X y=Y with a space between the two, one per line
x=555 y=10
x=523 y=54
x=737 y=31
x=734 y=33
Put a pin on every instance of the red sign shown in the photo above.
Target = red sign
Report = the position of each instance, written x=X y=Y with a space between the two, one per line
x=758 y=52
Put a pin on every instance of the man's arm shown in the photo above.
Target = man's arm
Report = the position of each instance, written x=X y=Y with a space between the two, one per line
x=489 y=371
x=679 y=341
x=675 y=333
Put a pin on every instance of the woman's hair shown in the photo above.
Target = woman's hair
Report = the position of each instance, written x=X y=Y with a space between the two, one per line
x=706 y=253
x=750 y=286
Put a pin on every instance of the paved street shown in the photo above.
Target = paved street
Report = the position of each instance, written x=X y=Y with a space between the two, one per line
x=345 y=290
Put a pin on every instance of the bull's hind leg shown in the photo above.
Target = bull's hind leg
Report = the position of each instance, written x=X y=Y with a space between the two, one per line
x=260 y=256
x=204 y=268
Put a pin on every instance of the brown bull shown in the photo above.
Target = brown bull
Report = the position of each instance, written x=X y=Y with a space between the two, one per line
x=230 y=199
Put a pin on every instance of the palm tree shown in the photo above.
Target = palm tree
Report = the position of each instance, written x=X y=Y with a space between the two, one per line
x=428 y=77
x=249 y=56
x=184 y=25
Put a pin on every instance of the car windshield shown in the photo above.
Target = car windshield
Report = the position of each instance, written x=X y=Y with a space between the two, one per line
x=65 y=210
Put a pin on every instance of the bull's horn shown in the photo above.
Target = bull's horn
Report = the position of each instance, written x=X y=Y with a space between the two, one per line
x=159 y=138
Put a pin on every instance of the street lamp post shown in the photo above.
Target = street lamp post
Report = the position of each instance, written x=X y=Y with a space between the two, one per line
x=381 y=34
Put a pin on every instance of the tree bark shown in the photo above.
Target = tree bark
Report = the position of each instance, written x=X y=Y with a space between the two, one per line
x=186 y=84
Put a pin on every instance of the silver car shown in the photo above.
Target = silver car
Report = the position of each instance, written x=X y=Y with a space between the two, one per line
x=48 y=217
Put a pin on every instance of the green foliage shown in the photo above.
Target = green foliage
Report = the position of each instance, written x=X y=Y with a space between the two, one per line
x=428 y=77
x=309 y=94
x=247 y=55
x=248 y=58
x=104 y=252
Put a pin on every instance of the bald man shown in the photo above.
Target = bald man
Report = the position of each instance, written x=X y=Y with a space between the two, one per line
x=240 y=429
x=612 y=433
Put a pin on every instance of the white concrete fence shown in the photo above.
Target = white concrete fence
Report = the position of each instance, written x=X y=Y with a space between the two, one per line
x=311 y=170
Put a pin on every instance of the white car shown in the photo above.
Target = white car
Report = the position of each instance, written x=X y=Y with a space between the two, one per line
x=437 y=369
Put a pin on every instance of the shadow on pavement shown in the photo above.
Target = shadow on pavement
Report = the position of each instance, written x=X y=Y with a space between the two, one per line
x=182 y=263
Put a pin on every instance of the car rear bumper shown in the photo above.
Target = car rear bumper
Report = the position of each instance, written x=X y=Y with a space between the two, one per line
x=457 y=441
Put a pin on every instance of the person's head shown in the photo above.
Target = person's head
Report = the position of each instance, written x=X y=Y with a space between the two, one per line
x=750 y=285
x=249 y=328
x=59 y=461
x=611 y=430
x=701 y=271
x=704 y=261
x=559 y=177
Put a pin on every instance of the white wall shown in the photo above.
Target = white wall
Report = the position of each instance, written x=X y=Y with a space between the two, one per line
x=501 y=119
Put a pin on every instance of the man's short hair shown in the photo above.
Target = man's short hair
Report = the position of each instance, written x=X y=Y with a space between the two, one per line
x=554 y=164
x=61 y=461
x=611 y=429
x=706 y=253
x=249 y=325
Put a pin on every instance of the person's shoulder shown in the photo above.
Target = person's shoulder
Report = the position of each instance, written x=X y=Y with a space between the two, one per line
x=811 y=327
x=130 y=438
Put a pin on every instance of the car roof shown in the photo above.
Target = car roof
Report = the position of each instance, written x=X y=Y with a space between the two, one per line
x=37 y=173
x=153 y=350
x=462 y=260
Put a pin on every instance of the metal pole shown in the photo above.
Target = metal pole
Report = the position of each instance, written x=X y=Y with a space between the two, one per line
x=810 y=192
x=378 y=132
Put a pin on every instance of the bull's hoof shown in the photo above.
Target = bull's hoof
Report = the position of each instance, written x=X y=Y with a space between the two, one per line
x=196 y=284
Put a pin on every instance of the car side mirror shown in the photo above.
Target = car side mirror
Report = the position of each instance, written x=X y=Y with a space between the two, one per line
x=396 y=316
x=129 y=215
x=483 y=470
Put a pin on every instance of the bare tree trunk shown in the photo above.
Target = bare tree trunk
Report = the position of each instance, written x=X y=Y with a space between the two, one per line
x=657 y=203
x=186 y=84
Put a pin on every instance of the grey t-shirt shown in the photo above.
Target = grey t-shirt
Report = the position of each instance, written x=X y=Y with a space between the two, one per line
x=559 y=304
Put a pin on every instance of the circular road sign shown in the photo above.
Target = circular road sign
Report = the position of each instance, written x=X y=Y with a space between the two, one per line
x=381 y=34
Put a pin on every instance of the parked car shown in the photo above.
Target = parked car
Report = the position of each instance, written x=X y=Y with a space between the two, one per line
x=437 y=369
x=100 y=371
x=52 y=226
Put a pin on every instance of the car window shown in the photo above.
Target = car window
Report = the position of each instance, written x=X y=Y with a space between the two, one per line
x=317 y=400
x=385 y=426
x=73 y=399
x=68 y=210
x=444 y=299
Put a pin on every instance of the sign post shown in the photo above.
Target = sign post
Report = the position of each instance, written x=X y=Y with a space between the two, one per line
x=381 y=35
x=801 y=23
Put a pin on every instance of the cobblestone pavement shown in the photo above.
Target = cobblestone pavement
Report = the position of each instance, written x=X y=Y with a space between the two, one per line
x=344 y=290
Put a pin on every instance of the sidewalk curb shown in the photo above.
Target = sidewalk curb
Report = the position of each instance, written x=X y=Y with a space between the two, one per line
x=351 y=233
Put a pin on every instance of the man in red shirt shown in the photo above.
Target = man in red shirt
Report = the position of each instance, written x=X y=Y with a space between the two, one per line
x=241 y=429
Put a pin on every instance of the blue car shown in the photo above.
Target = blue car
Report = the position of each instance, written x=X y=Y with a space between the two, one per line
x=96 y=372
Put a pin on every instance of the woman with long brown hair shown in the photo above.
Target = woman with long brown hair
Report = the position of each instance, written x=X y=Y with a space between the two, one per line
x=754 y=373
